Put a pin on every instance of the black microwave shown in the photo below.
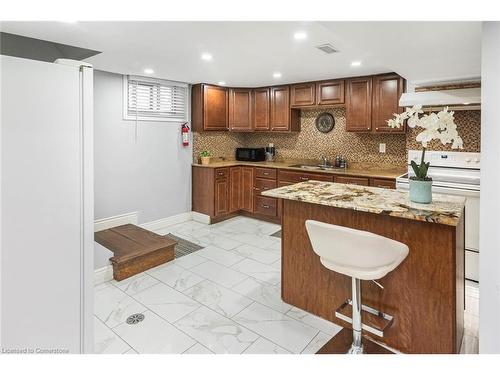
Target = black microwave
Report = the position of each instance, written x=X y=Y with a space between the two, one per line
x=250 y=154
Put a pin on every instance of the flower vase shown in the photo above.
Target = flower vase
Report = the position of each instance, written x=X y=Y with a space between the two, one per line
x=421 y=191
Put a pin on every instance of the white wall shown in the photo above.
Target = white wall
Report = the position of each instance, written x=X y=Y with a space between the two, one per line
x=151 y=176
x=489 y=260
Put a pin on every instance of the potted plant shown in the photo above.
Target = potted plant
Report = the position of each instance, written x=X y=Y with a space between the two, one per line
x=440 y=126
x=205 y=157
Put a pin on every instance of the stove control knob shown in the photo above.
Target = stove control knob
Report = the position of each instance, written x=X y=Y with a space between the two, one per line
x=468 y=160
x=476 y=160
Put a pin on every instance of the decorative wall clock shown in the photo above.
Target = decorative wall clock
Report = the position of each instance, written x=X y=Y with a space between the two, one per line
x=325 y=122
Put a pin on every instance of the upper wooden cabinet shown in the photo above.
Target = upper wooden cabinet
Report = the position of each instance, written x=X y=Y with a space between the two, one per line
x=240 y=109
x=261 y=109
x=209 y=108
x=303 y=94
x=309 y=94
x=283 y=118
x=330 y=92
x=359 y=104
x=387 y=90
x=280 y=108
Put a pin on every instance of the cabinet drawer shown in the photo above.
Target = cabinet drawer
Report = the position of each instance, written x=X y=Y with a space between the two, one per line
x=266 y=206
x=261 y=184
x=269 y=173
x=221 y=172
x=353 y=180
x=294 y=177
x=383 y=183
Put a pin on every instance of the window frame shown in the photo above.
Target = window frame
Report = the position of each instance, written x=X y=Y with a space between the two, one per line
x=128 y=117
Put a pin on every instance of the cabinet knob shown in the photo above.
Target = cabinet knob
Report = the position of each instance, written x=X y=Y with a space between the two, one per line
x=265 y=206
x=304 y=178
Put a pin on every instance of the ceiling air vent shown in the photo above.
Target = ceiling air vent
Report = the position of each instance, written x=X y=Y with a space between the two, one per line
x=327 y=48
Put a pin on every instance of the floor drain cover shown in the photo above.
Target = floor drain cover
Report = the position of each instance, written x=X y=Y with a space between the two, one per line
x=135 y=318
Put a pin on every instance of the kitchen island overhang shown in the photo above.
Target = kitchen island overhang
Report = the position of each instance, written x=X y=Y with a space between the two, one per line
x=425 y=294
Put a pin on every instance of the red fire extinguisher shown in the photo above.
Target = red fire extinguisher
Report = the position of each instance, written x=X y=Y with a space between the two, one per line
x=185 y=134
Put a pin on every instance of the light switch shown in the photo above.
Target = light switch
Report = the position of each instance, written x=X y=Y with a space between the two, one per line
x=381 y=148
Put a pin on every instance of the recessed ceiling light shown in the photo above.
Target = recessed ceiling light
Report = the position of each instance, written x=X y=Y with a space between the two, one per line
x=206 y=56
x=277 y=75
x=300 y=35
x=149 y=71
x=356 y=63
x=222 y=83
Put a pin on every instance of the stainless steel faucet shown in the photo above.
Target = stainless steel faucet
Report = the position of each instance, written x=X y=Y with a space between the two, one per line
x=324 y=161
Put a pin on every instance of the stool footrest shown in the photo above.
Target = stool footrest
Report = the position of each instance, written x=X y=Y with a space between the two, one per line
x=376 y=321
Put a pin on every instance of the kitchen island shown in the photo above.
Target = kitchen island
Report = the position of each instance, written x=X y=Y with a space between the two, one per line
x=425 y=294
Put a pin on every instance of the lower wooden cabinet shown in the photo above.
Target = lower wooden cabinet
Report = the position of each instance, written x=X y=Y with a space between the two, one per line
x=247 y=176
x=223 y=192
x=221 y=196
x=363 y=181
x=235 y=192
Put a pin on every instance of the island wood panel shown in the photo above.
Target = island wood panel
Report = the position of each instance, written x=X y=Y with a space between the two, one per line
x=424 y=294
x=203 y=190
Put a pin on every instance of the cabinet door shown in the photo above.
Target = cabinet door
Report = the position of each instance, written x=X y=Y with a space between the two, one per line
x=303 y=94
x=235 y=191
x=240 y=110
x=352 y=180
x=261 y=109
x=330 y=92
x=387 y=90
x=280 y=108
x=221 y=196
x=247 y=188
x=215 y=108
x=359 y=105
x=383 y=183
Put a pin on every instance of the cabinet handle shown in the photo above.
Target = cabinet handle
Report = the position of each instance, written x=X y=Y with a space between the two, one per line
x=256 y=188
x=265 y=206
x=376 y=128
x=221 y=173
x=303 y=178
x=265 y=173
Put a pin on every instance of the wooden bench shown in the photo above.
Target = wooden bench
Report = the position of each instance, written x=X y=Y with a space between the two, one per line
x=135 y=249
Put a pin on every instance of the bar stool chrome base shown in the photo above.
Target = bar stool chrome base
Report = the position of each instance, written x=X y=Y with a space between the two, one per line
x=356 y=349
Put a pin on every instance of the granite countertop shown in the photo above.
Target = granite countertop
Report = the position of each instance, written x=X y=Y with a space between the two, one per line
x=360 y=169
x=444 y=209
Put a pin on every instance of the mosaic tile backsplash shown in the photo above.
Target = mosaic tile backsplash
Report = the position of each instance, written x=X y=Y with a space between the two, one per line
x=309 y=143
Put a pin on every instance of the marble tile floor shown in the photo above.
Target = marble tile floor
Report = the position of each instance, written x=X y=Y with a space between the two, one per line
x=222 y=299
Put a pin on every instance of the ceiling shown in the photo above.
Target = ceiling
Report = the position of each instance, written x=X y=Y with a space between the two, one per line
x=248 y=53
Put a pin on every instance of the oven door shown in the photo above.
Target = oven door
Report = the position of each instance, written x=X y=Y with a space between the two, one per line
x=471 y=222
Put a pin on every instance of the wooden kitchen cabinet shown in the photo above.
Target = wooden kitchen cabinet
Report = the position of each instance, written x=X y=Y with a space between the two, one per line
x=359 y=104
x=283 y=118
x=235 y=191
x=240 y=109
x=280 y=108
x=330 y=92
x=383 y=183
x=247 y=178
x=387 y=90
x=209 y=108
x=362 y=181
x=303 y=94
x=261 y=109
x=221 y=191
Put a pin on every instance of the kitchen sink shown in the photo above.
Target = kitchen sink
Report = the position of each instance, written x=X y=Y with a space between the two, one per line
x=315 y=167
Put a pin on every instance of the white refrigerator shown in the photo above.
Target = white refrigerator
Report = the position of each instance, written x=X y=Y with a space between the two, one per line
x=46 y=259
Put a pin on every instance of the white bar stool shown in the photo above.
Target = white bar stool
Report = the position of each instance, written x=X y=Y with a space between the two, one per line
x=359 y=254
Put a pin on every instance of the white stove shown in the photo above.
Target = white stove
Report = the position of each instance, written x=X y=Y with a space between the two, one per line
x=455 y=173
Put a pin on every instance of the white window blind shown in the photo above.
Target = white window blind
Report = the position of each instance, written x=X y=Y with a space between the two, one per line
x=154 y=100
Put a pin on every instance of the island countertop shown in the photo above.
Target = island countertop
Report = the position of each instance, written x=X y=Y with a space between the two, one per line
x=444 y=209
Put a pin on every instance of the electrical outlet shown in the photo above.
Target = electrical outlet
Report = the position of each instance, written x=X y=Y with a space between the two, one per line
x=381 y=148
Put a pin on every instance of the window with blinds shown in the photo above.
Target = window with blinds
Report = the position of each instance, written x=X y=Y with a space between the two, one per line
x=149 y=99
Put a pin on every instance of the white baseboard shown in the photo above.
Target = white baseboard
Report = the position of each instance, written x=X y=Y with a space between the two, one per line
x=165 y=222
x=114 y=221
x=201 y=218
x=102 y=275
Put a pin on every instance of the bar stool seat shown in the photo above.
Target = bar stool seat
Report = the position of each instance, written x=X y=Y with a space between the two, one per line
x=359 y=254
